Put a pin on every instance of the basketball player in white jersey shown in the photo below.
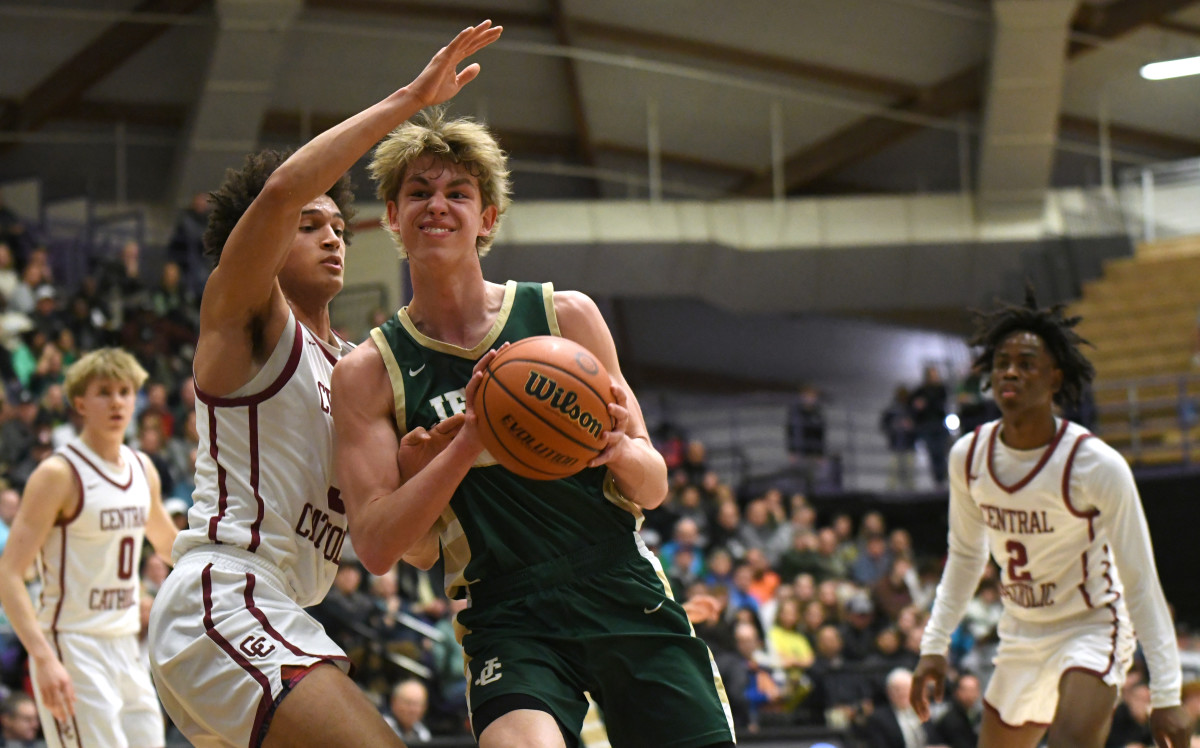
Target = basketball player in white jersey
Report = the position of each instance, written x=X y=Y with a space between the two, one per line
x=235 y=657
x=1061 y=514
x=84 y=515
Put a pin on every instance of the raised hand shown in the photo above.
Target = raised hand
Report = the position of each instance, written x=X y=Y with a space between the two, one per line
x=441 y=80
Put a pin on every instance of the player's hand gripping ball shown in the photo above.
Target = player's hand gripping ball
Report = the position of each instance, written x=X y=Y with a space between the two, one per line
x=543 y=406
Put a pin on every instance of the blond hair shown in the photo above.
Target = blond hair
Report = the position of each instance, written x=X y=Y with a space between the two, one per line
x=103 y=363
x=460 y=141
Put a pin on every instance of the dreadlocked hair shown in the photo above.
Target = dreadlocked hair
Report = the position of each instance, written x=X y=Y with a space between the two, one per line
x=240 y=188
x=1057 y=332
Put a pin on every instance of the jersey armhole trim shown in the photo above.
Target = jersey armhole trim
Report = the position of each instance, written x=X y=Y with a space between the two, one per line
x=272 y=389
x=548 y=303
x=395 y=375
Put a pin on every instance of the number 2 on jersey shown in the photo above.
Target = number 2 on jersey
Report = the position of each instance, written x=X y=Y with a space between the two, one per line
x=1017 y=558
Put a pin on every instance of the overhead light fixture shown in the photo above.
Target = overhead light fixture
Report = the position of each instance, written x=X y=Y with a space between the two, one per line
x=1157 y=71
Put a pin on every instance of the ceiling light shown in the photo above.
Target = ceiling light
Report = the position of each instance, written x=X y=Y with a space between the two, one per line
x=1157 y=71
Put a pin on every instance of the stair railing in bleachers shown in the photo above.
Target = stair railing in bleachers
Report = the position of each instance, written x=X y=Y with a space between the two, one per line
x=1152 y=420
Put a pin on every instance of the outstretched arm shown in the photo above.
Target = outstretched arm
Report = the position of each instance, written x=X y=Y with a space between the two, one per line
x=51 y=490
x=243 y=288
x=639 y=470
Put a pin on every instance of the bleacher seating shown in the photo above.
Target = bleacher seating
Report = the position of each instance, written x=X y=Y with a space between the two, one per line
x=1141 y=316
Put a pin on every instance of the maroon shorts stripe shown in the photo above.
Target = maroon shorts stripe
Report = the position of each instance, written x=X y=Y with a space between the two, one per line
x=262 y=618
x=267 y=701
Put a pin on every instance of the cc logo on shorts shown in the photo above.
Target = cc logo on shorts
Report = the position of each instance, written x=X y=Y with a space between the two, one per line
x=255 y=646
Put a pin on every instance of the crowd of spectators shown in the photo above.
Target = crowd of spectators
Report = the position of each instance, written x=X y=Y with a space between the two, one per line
x=819 y=614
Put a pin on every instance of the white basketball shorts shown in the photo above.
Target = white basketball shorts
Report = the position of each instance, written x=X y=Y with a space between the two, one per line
x=226 y=643
x=115 y=703
x=1032 y=658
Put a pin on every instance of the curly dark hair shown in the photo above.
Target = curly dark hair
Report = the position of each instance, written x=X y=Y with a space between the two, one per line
x=1051 y=325
x=230 y=201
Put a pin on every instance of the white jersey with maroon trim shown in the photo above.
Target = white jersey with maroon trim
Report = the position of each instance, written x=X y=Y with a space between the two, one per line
x=1042 y=525
x=1066 y=526
x=264 y=467
x=89 y=562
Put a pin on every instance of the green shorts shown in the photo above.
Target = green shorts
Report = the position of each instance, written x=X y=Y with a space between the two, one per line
x=601 y=621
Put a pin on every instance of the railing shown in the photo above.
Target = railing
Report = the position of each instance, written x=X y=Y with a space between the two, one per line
x=745 y=436
x=1159 y=201
x=1152 y=420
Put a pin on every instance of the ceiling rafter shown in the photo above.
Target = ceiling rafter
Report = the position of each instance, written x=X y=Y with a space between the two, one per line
x=1178 y=26
x=583 y=129
x=871 y=135
x=833 y=76
x=66 y=84
x=955 y=94
x=471 y=14
x=1131 y=136
x=1116 y=19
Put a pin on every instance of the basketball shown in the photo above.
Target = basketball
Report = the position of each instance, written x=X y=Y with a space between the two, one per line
x=543 y=406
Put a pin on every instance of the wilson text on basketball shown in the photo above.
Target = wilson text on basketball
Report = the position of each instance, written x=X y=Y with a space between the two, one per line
x=547 y=390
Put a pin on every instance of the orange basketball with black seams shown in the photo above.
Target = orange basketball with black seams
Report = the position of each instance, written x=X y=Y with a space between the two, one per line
x=543 y=407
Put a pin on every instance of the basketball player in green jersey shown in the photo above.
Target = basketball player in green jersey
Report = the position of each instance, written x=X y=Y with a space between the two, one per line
x=564 y=597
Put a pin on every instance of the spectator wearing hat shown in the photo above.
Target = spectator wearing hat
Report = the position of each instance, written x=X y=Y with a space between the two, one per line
x=46 y=315
x=858 y=630
x=177 y=508
x=17 y=434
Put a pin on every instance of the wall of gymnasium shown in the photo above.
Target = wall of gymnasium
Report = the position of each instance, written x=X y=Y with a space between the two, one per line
x=792 y=291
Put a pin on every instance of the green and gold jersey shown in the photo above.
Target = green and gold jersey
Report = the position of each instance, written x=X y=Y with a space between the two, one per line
x=497 y=522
